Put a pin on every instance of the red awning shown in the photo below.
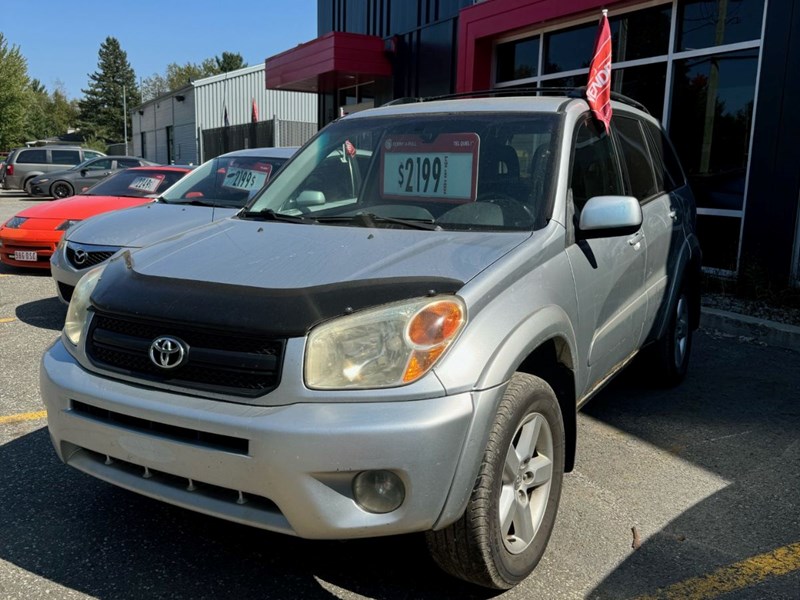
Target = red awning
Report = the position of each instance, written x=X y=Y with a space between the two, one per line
x=336 y=59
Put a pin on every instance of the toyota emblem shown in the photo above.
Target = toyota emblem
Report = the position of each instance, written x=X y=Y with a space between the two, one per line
x=168 y=352
x=81 y=256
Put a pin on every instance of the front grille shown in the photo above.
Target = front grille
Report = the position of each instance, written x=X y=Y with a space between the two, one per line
x=219 y=362
x=83 y=259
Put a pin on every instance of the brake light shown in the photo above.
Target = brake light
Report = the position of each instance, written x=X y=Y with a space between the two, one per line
x=9 y=169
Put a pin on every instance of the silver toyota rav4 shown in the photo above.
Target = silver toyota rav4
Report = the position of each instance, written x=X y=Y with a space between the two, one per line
x=396 y=333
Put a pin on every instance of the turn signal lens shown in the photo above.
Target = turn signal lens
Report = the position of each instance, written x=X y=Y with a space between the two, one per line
x=429 y=333
x=435 y=324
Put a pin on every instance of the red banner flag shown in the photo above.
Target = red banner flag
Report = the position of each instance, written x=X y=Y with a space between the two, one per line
x=254 y=112
x=598 y=90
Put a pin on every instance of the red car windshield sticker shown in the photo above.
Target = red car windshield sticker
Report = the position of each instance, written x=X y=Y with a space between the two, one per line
x=443 y=169
x=247 y=179
x=147 y=183
x=349 y=148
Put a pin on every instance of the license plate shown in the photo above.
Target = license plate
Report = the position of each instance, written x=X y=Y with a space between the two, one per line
x=28 y=255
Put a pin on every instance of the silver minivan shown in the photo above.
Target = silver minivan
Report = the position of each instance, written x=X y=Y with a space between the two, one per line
x=24 y=164
x=396 y=333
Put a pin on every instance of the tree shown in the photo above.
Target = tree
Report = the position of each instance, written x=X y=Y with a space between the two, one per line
x=48 y=114
x=101 y=108
x=13 y=95
x=37 y=122
x=229 y=61
x=179 y=76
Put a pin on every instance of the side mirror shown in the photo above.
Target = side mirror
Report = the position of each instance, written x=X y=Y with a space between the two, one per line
x=609 y=216
x=310 y=198
x=83 y=172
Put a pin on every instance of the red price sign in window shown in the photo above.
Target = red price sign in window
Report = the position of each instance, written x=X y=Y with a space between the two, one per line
x=443 y=169
x=148 y=184
x=247 y=179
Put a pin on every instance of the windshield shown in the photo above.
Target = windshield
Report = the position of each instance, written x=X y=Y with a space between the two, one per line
x=225 y=181
x=468 y=171
x=136 y=183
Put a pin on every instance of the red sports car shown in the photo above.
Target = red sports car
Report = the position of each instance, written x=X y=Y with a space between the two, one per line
x=29 y=238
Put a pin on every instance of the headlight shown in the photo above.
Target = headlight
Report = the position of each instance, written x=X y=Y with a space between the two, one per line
x=15 y=222
x=40 y=181
x=67 y=224
x=383 y=347
x=79 y=304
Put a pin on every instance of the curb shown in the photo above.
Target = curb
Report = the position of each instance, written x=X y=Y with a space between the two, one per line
x=771 y=333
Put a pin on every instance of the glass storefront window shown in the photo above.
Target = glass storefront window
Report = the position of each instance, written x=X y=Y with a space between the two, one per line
x=706 y=23
x=640 y=34
x=634 y=35
x=710 y=125
x=719 y=238
x=644 y=84
x=518 y=59
x=569 y=49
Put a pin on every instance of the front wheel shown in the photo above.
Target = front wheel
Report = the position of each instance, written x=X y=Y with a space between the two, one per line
x=503 y=533
x=61 y=189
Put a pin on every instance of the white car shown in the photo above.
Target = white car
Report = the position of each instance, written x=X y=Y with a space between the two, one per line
x=216 y=189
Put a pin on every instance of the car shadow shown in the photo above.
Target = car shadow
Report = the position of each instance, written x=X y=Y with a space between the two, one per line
x=737 y=418
x=106 y=542
x=9 y=270
x=48 y=313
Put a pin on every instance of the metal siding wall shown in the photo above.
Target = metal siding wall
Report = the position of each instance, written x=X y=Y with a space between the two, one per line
x=236 y=92
x=164 y=118
x=185 y=144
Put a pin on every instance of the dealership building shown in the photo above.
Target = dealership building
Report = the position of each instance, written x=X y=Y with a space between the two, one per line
x=722 y=75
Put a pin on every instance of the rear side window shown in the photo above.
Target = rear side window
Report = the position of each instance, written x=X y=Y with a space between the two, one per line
x=65 y=157
x=32 y=156
x=668 y=168
x=594 y=167
x=635 y=157
x=99 y=165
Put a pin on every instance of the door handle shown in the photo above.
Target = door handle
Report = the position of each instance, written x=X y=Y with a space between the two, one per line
x=636 y=239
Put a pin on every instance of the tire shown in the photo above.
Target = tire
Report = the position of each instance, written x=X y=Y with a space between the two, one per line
x=669 y=356
x=61 y=189
x=27 y=186
x=504 y=531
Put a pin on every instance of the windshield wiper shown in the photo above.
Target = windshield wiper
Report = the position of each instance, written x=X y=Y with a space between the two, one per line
x=366 y=219
x=267 y=214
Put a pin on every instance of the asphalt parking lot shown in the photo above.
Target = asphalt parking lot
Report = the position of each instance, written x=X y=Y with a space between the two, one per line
x=685 y=493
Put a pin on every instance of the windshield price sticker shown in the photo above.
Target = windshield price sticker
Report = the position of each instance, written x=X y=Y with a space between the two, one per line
x=246 y=179
x=445 y=169
x=147 y=184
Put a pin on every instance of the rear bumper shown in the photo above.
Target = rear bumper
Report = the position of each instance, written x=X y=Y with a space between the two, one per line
x=283 y=468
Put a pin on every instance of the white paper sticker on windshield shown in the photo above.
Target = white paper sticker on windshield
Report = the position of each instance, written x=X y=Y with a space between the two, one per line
x=147 y=184
x=247 y=179
x=444 y=169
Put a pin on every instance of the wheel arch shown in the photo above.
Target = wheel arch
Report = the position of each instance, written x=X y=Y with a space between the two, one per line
x=543 y=346
x=689 y=271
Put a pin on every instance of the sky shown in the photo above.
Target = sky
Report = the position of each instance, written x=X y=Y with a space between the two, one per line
x=61 y=40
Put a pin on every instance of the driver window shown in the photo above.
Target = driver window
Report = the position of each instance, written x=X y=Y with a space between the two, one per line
x=594 y=166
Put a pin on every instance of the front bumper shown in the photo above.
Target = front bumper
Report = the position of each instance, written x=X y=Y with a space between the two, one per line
x=43 y=242
x=283 y=468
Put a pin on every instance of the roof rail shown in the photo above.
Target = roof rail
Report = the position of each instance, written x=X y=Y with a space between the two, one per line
x=570 y=92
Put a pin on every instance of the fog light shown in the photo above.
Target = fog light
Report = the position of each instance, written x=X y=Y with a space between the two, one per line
x=378 y=491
